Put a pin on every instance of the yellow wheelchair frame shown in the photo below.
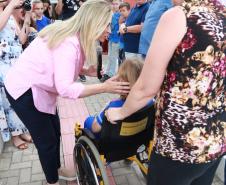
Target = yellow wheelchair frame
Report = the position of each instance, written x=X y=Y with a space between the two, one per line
x=85 y=151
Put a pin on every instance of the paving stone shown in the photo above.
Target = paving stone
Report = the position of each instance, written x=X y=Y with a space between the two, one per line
x=33 y=183
x=9 y=173
x=122 y=171
x=121 y=180
x=20 y=165
x=36 y=167
x=6 y=155
x=3 y=181
x=25 y=175
x=17 y=156
x=38 y=177
x=29 y=150
x=10 y=148
x=132 y=179
x=5 y=164
x=35 y=152
x=30 y=157
x=13 y=181
x=115 y=165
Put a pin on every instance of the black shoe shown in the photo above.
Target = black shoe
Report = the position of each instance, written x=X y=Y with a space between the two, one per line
x=82 y=78
x=104 y=78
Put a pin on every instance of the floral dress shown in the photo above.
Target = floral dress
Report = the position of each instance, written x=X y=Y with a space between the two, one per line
x=190 y=117
x=10 y=50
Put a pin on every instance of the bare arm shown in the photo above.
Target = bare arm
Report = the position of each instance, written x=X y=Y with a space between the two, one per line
x=5 y=14
x=168 y=34
x=135 y=28
x=59 y=7
x=109 y=86
x=130 y=29
x=25 y=30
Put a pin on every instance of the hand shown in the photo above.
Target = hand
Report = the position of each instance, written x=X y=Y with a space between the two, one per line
x=91 y=71
x=114 y=114
x=112 y=85
x=16 y=3
x=3 y=4
x=27 y=18
x=121 y=29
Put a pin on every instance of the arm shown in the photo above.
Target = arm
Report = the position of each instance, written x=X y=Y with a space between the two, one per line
x=130 y=29
x=25 y=30
x=65 y=65
x=135 y=28
x=59 y=7
x=5 y=14
x=109 y=86
x=168 y=34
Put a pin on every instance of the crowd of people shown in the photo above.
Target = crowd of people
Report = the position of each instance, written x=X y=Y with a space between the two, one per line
x=172 y=51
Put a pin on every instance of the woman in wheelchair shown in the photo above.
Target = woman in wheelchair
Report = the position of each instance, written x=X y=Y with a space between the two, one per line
x=129 y=71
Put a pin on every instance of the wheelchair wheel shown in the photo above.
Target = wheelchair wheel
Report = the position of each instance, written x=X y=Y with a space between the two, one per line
x=88 y=164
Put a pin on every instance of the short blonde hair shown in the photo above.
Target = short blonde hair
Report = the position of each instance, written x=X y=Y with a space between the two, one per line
x=129 y=71
x=89 y=22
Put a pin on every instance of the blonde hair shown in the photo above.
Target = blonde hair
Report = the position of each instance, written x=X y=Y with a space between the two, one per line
x=89 y=22
x=129 y=71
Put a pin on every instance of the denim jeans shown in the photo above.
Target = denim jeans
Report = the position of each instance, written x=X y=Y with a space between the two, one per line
x=133 y=55
x=113 y=54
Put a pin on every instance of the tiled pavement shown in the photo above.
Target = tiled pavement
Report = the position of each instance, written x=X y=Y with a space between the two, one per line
x=23 y=167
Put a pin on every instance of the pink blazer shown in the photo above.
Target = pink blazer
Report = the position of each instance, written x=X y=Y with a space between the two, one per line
x=48 y=73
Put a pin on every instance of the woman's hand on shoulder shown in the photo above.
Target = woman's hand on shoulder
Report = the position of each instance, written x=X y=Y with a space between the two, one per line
x=113 y=85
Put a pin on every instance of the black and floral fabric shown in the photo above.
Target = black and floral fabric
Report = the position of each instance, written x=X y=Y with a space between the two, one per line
x=190 y=117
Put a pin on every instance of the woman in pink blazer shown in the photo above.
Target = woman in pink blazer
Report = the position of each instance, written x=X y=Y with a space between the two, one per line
x=48 y=68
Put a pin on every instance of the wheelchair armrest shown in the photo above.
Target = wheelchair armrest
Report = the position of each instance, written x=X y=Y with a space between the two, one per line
x=88 y=133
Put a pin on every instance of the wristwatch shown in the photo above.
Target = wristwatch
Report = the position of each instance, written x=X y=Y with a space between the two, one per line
x=125 y=29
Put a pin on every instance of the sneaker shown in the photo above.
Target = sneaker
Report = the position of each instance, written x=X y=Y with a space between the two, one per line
x=104 y=78
x=82 y=78
x=67 y=175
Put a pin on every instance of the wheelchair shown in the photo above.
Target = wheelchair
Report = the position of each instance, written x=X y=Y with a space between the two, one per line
x=115 y=142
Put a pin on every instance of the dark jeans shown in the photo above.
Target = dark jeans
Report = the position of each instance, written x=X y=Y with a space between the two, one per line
x=45 y=132
x=164 y=171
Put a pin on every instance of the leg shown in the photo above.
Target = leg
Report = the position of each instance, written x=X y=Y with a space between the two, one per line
x=56 y=125
x=10 y=119
x=112 y=58
x=208 y=175
x=164 y=171
x=43 y=132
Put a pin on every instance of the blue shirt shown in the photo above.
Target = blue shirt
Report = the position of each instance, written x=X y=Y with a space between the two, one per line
x=136 y=17
x=114 y=36
x=42 y=23
x=99 y=118
x=115 y=103
x=155 y=11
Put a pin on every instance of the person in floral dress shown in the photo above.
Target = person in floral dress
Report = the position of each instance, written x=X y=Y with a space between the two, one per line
x=11 y=40
x=186 y=69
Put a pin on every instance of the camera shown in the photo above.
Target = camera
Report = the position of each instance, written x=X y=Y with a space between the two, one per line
x=26 y=5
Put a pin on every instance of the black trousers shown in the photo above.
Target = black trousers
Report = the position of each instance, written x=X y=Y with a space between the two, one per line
x=45 y=132
x=164 y=171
